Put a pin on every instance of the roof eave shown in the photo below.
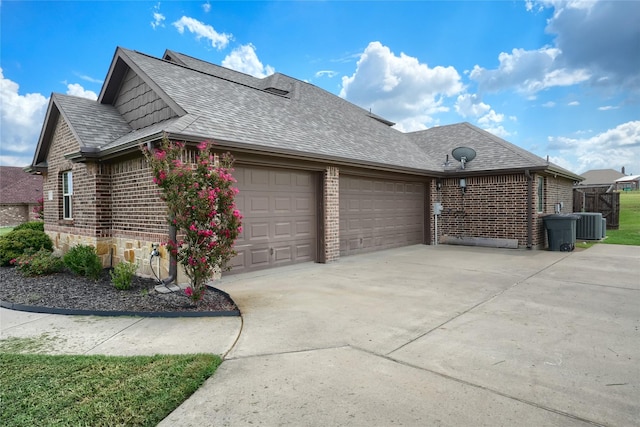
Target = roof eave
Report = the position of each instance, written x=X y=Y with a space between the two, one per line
x=84 y=155
x=48 y=127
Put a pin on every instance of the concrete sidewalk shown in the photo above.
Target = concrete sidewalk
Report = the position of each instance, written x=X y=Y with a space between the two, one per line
x=120 y=336
x=423 y=335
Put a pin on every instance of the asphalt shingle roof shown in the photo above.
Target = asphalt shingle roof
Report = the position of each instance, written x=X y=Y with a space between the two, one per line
x=601 y=177
x=18 y=187
x=300 y=119
x=95 y=124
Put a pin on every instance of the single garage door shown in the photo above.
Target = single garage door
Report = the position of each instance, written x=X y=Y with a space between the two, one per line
x=279 y=225
x=378 y=214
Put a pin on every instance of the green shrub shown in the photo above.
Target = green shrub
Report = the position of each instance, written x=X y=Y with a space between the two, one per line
x=31 y=225
x=38 y=263
x=15 y=243
x=83 y=261
x=122 y=274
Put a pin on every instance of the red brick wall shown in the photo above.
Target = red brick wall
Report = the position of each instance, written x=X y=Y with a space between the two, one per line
x=84 y=190
x=496 y=207
x=136 y=208
x=557 y=190
x=331 y=205
x=121 y=201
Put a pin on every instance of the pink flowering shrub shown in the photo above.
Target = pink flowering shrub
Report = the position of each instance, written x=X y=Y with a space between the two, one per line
x=200 y=203
x=38 y=209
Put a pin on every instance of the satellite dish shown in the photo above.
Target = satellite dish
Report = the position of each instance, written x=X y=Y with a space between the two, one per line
x=463 y=154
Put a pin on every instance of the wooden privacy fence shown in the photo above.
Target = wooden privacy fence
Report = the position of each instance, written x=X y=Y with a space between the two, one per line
x=608 y=204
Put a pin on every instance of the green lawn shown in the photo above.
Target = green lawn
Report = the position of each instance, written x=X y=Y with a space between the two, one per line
x=97 y=390
x=5 y=230
x=629 y=231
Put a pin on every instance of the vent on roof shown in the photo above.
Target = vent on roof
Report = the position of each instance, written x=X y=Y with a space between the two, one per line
x=277 y=91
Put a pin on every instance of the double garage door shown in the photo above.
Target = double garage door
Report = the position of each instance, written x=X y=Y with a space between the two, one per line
x=378 y=214
x=281 y=221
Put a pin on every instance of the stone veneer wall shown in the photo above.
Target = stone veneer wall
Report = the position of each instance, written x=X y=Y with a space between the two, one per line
x=15 y=214
x=331 y=213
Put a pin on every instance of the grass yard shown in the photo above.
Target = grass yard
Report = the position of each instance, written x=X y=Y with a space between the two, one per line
x=629 y=231
x=97 y=390
x=5 y=230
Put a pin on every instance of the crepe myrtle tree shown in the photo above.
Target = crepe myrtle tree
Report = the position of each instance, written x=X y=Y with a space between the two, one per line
x=200 y=204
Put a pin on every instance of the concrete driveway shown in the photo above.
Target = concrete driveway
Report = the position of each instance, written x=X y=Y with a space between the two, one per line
x=433 y=335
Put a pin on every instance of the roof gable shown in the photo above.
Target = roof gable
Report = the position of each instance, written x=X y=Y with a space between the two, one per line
x=119 y=70
x=92 y=125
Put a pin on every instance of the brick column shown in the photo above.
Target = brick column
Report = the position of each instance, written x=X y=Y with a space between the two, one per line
x=331 y=213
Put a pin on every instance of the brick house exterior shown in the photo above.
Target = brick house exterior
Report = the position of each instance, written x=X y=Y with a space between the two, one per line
x=319 y=178
x=19 y=194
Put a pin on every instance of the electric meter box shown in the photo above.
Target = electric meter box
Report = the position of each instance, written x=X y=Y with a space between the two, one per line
x=437 y=208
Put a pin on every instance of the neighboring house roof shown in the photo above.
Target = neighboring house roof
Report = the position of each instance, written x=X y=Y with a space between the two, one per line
x=276 y=114
x=18 y=186
x=597 y=177
x=629 y=178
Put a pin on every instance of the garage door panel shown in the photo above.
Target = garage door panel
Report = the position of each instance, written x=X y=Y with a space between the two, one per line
x=389 y=216
x=306 y=250
x=305 y=228
x=282 y=205
x=279 y=225
x=304 y=204
x=258 y=231
x=283 y=229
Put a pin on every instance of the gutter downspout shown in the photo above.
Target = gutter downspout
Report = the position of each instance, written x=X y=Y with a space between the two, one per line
x=173 y=262
x=529 y=208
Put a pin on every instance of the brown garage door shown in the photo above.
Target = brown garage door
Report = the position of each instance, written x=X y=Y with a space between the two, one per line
x=378 y=214
x=279 y=225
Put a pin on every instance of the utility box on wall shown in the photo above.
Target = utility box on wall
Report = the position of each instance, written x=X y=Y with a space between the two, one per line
x=437 y=208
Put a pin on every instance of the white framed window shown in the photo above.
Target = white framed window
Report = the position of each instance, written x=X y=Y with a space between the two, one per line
x=67 y=195
x=540 y=207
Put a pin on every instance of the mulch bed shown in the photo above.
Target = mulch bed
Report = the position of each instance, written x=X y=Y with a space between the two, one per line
x=67 y=291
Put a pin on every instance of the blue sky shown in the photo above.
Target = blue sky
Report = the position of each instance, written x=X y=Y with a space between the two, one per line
x=560 y=79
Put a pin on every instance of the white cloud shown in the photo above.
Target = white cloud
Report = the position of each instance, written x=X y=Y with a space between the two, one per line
x=529 y=71
x=158 y=18
x=200 y=29
x=206 y=7
x=573 y=104
x=400 y=88
x=327 y=73
x=610 y=149
x=491 y=117
x=245 y=60
x=21 y=118
x=499 y=131
x=470 y=105
x=75 y=89
x=607 y=108
x=88 y=78
x=549 y=104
